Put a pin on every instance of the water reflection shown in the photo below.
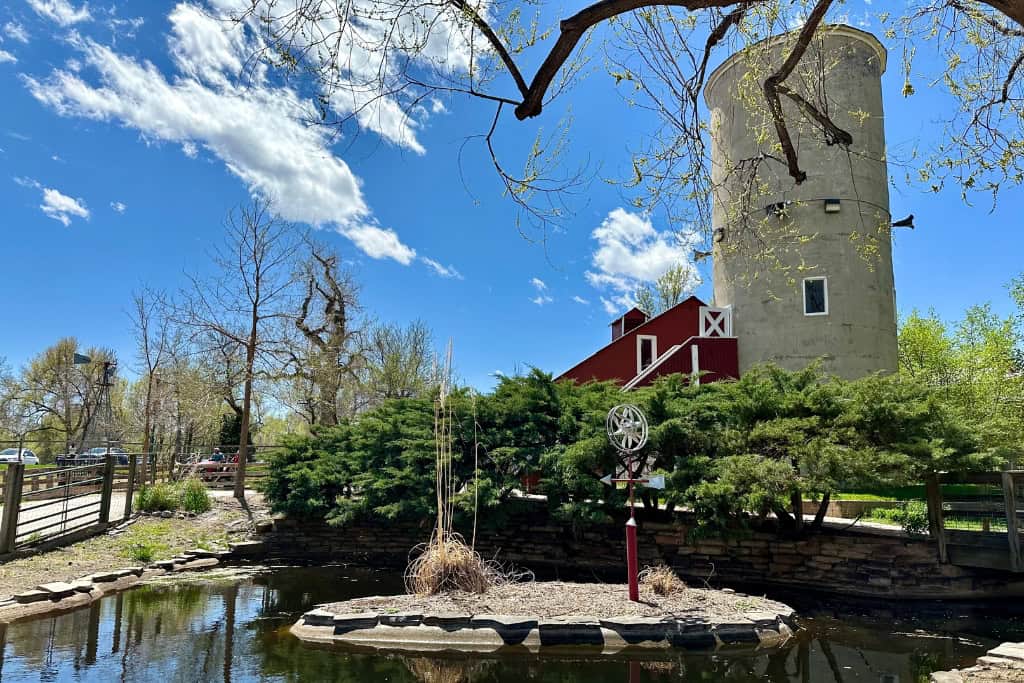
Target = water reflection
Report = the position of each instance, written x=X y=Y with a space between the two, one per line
x=238 y=631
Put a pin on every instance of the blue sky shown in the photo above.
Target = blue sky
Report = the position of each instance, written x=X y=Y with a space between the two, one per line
x=124 y=142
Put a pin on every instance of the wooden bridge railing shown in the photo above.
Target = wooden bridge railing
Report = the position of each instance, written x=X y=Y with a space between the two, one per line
x=983 y=531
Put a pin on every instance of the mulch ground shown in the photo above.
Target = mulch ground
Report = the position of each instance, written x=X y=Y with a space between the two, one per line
x=550 y=599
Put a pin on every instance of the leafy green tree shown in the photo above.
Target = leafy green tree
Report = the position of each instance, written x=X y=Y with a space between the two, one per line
x=668 y=290
x=975 y=365
x=64 y=394
x=400 y=362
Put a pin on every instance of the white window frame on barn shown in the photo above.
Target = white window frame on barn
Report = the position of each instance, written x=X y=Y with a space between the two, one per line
x=716 y=321
x=640 y=338
x=824 y=281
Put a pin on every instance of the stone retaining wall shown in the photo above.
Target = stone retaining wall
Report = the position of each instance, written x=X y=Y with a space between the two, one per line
x=867 y=563
x=492 y=632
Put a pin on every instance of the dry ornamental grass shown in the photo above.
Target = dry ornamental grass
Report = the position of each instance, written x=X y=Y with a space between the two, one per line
x=447 y=564
x=661 y=580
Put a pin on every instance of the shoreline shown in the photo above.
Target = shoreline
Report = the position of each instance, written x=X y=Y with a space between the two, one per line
x=596 y=616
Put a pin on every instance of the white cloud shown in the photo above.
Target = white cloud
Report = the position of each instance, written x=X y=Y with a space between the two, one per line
x=580 y=300
x=126 y=28
x=6 y=56
x=16 y=31
x=118 y=206
x=542 y=299
x=255 y=128
x=60 y=11
x=378 y=45
x=378 y=243
x=61 y=207
x=539 y=284
x=443 y=271
x=630 y=252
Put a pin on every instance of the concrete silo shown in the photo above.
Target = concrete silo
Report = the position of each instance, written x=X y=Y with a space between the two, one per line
x=806 y=268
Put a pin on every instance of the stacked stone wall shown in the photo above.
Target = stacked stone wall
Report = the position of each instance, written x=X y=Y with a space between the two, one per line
x=868 y=563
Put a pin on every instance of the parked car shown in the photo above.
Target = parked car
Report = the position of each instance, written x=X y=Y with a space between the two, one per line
x=11 y=455
x=100 y=452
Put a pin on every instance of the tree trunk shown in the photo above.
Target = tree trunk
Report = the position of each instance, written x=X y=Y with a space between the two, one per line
x=243 y=438
x=786 y=520
x=329 y=402
x=146 y=441
x=819 y=518
x=796 y=502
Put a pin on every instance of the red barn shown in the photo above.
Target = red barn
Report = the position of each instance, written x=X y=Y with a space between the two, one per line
x=690 y=337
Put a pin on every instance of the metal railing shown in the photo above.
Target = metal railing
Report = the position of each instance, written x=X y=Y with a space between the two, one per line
x=46 y=505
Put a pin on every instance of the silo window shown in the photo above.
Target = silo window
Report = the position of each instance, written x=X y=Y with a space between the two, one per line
x=815 y=296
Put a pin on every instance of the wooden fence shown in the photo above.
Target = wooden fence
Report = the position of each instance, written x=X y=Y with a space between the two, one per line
x=219 y=474
x=49 y=504
x=982 y=530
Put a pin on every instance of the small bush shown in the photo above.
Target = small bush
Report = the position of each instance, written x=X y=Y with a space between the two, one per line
x=146 y=542
x=911 y=515
x=661 y=580
x=157 y=498
x=140 y=551
x=194 y=496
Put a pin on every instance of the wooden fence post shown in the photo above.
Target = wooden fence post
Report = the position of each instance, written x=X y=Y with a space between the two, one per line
x=936 y=528
x=133 y=466
x=1012 y=535
x=108 y=488
x=12 y=506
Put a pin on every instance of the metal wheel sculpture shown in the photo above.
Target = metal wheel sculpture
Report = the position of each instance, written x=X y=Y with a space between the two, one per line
x=627 y=428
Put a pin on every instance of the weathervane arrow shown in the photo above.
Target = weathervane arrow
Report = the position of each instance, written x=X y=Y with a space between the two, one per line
x=657 y=482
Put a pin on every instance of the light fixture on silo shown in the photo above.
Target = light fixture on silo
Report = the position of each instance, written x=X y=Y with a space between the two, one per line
x=832 y=206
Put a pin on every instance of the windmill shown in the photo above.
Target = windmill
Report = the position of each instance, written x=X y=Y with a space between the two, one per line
x=99 y=429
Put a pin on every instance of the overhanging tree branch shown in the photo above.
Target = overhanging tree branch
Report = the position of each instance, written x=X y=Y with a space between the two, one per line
x=572 y=30
x=773 y=82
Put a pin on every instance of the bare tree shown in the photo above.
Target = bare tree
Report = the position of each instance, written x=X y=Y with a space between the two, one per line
x=153 y=338
x=250 y=293
x=331 y=352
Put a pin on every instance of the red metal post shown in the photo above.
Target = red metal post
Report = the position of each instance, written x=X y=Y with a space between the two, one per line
x=631 y=551
x=631 y=562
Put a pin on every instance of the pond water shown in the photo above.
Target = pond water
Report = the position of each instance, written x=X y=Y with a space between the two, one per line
x=236 y=629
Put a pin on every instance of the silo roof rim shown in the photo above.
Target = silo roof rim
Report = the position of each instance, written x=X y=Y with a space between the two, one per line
x=838 y=29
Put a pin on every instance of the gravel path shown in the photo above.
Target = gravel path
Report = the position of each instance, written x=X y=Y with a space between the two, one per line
x=39 y=514
x=556 y=599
